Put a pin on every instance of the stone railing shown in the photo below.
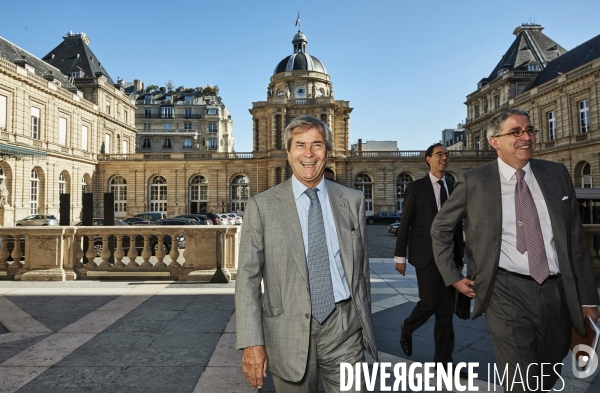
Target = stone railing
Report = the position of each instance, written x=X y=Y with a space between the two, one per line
x=185 y=253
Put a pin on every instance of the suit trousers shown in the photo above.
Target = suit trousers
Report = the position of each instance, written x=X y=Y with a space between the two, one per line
x=530 y=325
x=435 y=299
x=338 y=340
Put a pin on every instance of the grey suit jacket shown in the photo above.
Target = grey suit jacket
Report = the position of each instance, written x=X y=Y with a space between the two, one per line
x=272 y=251
x=477 y=197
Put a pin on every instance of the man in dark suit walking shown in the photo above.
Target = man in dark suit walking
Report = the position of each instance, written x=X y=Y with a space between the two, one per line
x=422 y=200
x=528 y=265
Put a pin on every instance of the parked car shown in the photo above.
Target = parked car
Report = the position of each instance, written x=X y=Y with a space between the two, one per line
x=237 y=219
x=38 y=219
x=227 y=219
x=383 y=218
x=393 y=228
x=215 y=218
x=200 y=218
x=137 y=221
x=176 y=221
x=151 y=216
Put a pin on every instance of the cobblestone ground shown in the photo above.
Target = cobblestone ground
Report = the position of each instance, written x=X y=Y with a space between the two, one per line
x=381 y=242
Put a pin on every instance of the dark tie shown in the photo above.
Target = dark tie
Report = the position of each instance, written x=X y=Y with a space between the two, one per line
x=319 y=275
x=443 y=193
x=529 y=231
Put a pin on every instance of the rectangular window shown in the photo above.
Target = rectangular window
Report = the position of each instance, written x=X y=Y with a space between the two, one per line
x=496 y=102
x=146 y=126
x=187 y=113
x=35 y=123
x=166 y=112
x=108 y=107
x=211 y=111
x=125 y=116
x=212 y=127
x=167 y=143
x=125 y=148
x=107 y=144
x=187 y=143
x=75 y=74
x=148 y=99
x=477 y=143
x=147 y=113
x=187 y=126
x=84 y=138
x=584 y=116
x=551 y=125
x=476 y=111
x=146 y=143
x=62 y=131
x=212 y=143
x=167 y=126
x=3 y=112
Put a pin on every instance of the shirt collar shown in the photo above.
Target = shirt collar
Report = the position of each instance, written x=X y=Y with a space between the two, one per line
x=434 y=179
x=508 y=171
x=298 y=188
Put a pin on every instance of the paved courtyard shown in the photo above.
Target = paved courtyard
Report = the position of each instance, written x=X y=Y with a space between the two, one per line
x=158 y=336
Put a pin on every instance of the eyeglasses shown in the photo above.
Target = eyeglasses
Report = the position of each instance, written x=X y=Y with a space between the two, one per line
x=518 y=132
x=439 y=154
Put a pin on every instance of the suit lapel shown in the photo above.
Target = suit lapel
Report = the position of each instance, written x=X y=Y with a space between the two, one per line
x=430 y=192
x=341 y=214
x=288 y=219
x=546 y=181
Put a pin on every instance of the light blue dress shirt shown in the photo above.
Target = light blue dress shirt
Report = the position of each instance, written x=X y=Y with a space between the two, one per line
x=338 y=276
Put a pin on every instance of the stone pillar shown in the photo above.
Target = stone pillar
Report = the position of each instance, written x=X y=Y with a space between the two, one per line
x=45 y=255
x=7 y=216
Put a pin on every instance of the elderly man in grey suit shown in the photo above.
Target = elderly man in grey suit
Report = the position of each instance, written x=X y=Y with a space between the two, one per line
x=528 y=266
x=305 y=240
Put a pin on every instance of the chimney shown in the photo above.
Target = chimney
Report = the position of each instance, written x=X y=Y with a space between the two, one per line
x=138 y=85
x=360 y=145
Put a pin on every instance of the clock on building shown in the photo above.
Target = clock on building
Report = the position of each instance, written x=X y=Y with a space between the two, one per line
x=300 y=92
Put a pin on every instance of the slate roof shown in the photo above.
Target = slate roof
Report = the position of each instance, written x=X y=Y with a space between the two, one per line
x=530 y=46
x=15 y=54
x=569 y=61
x=74 y=54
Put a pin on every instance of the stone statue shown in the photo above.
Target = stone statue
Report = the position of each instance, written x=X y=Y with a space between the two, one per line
x=269 y=92
x=287 y=92
x=314 y=91
x=331 y=92
x=3 y=194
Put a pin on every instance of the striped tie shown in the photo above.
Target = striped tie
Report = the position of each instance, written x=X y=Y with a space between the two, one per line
x=319 y=275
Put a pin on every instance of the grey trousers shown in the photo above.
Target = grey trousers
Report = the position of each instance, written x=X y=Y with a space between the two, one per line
x=339 y=339
x=530 y=325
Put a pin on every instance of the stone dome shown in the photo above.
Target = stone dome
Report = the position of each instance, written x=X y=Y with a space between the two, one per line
x=300 y=60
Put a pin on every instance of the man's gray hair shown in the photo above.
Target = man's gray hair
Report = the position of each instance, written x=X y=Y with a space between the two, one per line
x=304 y=123
x=495 y=123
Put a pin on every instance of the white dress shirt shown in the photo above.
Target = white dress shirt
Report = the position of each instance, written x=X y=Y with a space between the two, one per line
x=511 y=259
x=341 y=291
x=437 y=191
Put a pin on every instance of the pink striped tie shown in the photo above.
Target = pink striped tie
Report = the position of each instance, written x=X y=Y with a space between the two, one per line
x=529 y=231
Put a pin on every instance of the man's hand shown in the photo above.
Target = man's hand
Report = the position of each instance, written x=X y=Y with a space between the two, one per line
x=592 y=312
x=254 y=365
x=464 y=287
x=401 y=268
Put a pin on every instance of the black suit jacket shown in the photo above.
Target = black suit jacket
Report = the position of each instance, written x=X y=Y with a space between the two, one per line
x=419 y=208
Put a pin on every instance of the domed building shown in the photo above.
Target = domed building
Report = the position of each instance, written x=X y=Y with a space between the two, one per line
x=300 y=85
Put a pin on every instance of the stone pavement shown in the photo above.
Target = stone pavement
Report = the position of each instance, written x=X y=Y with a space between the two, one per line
x=158 y=336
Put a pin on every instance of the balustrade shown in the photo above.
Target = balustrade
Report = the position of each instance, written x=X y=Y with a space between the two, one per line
x=57 y=253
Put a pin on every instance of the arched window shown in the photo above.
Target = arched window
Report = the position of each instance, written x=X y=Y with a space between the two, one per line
x=586 y=176
x=84 y=185
x=158 y=194
x=401 y=182
x=280 y=93
x=118 y=187
x=451 y=177
x=62 y=184
x=364 y=183
x=240 y=191
x=166 y=143
x=198 y=194
x=146 y=144
x=187 y=143
x=34 y=192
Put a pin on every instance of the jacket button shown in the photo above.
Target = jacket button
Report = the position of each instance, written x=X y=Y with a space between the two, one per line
x=306 y=316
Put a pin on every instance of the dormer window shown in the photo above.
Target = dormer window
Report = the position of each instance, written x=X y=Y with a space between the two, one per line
x=148 y=99
x=169 y=99
x=75 y=74
x=534 y=67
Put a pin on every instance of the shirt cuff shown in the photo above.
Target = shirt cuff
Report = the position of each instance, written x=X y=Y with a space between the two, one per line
x=400 y=259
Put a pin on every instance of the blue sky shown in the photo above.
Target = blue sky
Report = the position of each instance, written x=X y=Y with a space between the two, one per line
x=406 y=67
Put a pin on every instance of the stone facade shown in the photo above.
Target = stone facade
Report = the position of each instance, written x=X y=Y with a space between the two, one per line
x=63 y=125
